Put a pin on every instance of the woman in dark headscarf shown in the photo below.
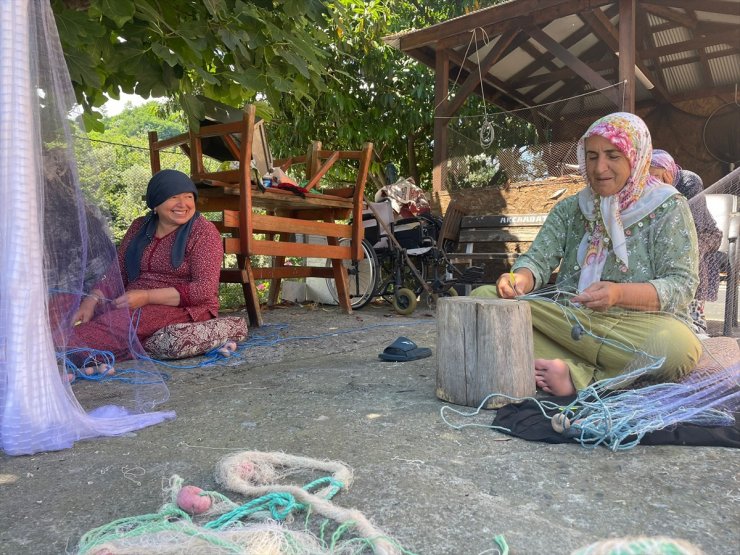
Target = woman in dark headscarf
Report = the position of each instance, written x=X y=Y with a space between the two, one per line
x=709 y=235
x=170 y=262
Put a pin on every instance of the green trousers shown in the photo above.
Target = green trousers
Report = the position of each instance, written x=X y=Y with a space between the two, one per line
x=612 y=343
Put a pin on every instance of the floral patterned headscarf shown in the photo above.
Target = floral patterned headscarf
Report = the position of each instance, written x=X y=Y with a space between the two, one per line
x=661 y=159
x=606 y=215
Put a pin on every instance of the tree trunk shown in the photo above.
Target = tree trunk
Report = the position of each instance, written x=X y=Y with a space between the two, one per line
x=484 y=346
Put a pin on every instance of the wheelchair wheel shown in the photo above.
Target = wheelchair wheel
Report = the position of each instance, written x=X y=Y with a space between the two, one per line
x=363 y=279
x=408 y=279
x=404 y=301
x=430 y=301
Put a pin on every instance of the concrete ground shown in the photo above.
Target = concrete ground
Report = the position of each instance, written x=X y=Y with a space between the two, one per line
x=435 y=489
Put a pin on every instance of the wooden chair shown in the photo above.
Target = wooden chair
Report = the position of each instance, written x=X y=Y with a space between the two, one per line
x=269 y=221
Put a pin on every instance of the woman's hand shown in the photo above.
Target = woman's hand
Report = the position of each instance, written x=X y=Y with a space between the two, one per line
x=603 y=295
x=133 y=299
x=600 y=296
x=84 y=314
x=87 y=308
x=513 y=284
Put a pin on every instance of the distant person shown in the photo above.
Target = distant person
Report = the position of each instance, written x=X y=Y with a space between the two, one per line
x=709 y=235
x=170 y=262
x=626 y=246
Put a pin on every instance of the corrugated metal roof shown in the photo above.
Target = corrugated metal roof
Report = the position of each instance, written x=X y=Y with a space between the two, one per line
x=681 y=52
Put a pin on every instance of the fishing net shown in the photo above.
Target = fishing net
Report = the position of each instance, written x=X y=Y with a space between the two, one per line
x=497 y=165
x=56 y=386
x=276 y=516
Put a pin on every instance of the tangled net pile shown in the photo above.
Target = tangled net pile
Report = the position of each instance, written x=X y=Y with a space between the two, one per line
x=197 y=521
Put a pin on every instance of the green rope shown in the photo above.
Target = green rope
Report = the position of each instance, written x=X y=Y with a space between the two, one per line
x=500 y=542
x=279 y=504
x=169 y=519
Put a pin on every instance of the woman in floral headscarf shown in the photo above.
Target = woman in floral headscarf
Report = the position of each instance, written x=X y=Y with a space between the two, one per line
x=709 y=235
x=626 y=247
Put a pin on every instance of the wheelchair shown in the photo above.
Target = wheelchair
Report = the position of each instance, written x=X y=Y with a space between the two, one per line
x=404 y=267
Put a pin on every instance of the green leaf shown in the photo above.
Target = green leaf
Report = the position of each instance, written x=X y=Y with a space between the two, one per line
x=82 y=69
x=147 y=12
x=215 y=7
x=192 y=106
x=294 y=60
x=206 y=76
x=119 y=11
x=92 y=122
x=164 y=52
x=251 y=79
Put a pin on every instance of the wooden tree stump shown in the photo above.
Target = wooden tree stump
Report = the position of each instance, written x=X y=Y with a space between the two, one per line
x=484 y=346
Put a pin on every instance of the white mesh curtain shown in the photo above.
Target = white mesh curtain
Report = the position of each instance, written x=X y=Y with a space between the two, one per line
x=38 y=408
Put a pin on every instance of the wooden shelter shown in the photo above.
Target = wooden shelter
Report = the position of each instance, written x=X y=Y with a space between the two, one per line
x=678 y=62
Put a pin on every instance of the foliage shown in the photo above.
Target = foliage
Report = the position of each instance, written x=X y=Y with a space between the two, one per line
x=114 y=166
x=225 y=49
x=321 y=65
x=378 y=93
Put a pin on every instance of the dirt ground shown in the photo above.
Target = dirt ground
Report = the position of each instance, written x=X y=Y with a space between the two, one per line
x=316 y=388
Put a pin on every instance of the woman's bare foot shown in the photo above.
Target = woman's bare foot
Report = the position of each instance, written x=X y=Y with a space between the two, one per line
x=553 y=376
x=227 y=349
x=100 y=369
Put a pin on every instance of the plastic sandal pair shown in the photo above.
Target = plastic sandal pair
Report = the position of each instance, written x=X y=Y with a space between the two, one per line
x=402 y=350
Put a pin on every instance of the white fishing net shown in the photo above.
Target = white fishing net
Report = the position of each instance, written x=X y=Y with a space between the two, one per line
x=54 y=248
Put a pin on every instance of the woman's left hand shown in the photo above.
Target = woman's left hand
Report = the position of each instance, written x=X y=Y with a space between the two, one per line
x=133 y=299
x=600 y=296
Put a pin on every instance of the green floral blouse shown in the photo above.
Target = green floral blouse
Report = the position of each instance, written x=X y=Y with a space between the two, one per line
x=662 y=250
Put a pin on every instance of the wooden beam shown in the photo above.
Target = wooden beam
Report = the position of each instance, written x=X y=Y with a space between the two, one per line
x=605 y=30
x=722 y=7
x=494 y=90
x=731 y=38
x=457 y=30
x=596 y=57
x=695 y=58
x=704 y=60
x=580 y=68
x=441 y=102
x=670 y=14
x=498 y=84
x=474 y=79
x=627 y=52
x=544 y=60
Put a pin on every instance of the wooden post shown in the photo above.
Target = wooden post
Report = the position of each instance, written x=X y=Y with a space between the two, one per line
x=441 y=88
x=627 y=49
x=484 y=346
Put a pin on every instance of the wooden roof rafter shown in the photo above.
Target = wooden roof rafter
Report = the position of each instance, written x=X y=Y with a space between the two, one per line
x=673 y=15
x=493 y=88
x=604 y=29
x=578 y=66
x=685 y=49
x=703 y=59
x=461 y=69
x=457 y=31
x=544 y=61
x=473 y=80
x=722 y=7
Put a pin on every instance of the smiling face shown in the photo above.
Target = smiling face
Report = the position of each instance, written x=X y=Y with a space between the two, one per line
x=176 y=210
x=606 y=167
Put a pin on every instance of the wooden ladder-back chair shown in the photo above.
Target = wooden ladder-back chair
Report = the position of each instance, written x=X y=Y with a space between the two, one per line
x=256 y=216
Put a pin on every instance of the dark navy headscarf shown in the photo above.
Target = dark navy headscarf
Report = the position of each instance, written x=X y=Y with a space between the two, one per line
x=163 y=185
